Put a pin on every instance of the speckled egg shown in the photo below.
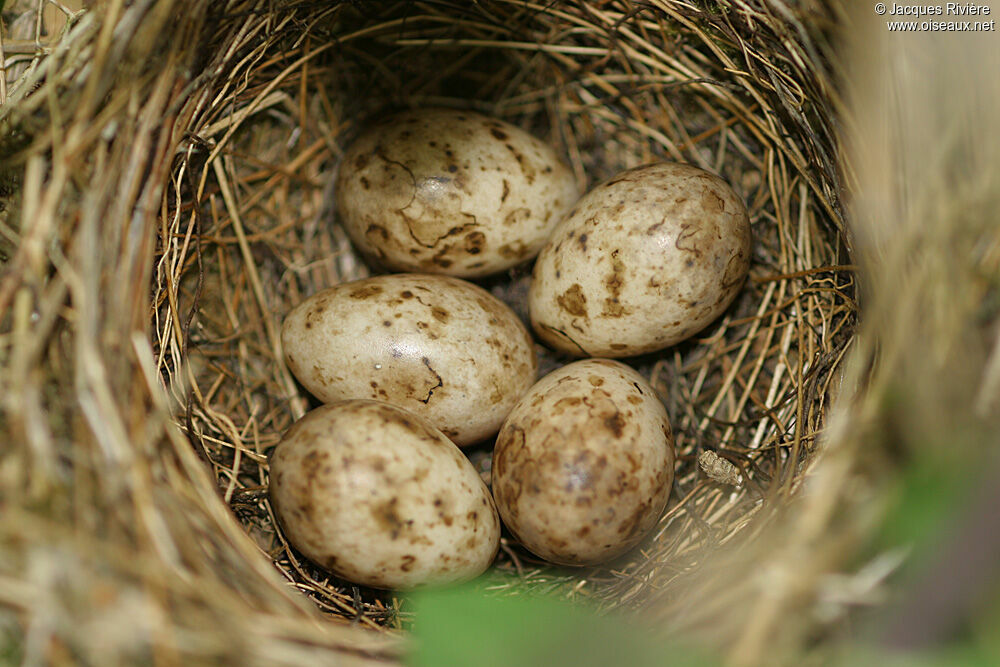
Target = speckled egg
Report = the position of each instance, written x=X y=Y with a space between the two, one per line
x=438 y=346
x=584 y=463
x=381 y=498
x=643 y=261
x=452 y=192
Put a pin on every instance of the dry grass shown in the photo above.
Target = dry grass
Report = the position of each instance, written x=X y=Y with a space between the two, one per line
x=167 y=201
x=611 y=94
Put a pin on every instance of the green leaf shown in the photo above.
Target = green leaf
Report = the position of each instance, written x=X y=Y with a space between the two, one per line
x=469 y=626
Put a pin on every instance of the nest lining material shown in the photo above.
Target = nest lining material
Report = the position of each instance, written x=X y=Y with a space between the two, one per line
x=176 y=172
x=751 y=387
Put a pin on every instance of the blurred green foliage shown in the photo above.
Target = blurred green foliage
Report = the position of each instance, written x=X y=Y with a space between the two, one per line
x=927 y=497
x=495 y=623
x=469 y=625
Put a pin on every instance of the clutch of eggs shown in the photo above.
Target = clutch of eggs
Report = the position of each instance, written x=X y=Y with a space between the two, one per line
x=583 y=465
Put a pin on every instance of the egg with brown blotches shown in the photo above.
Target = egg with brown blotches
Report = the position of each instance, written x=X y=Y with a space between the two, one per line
x=381 y=498
x=584 y=463
x=451 y=192
x=443 y=348
x=643 y=261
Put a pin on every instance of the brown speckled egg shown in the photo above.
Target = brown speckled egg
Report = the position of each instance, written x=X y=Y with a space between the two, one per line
x=643 y=261
x=443 y=348
x=381 y=498
x=584 y=463
x=452 y=192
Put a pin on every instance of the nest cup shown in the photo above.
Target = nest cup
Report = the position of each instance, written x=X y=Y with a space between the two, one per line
x=267 y=96
x=610 y=87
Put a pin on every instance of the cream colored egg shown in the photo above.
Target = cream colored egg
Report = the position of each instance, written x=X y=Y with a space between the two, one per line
x=584 y=463
x=438 y=346
x=381 y=498
x=452 y=192
x=643 y=261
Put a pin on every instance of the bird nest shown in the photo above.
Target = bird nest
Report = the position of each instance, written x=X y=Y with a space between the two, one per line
x=167 y=199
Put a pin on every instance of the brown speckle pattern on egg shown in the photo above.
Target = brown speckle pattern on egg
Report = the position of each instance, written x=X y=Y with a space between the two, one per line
x=583 y=465
x=379 y=497
x=441 y=347
x=643 y=261
x=451 y=192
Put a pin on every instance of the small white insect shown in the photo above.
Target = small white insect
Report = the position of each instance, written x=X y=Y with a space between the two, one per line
x=719 y=469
